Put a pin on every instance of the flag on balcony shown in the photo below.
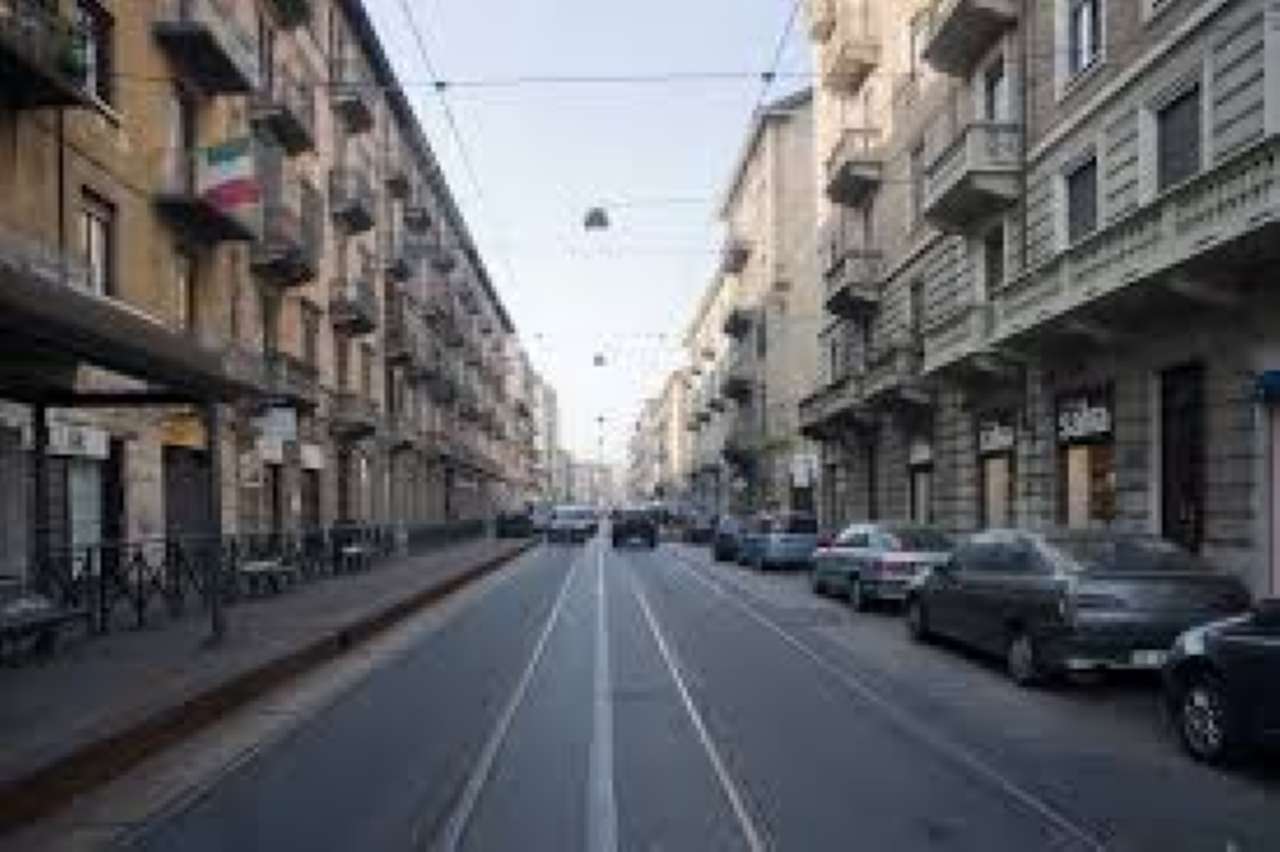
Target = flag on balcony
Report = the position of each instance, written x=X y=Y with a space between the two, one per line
x=227 y=179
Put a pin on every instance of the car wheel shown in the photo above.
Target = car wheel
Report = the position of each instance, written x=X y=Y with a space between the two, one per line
x=1022 y=660
x=918 y=621
x=1205 y=720
x=858 y=598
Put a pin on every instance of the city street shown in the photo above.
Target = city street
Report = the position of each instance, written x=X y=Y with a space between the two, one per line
x=596 y=699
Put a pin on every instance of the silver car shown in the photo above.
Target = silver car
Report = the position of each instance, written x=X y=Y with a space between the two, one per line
x=871 y=562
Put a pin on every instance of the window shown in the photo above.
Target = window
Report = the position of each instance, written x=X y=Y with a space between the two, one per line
x=762 y=336
x=185 y=281
x=99 y=65
x=917 y=309
x=1082 y=201
x=917 y=183
x=1178 y=139
x=310 y=336
x=995 y=92
x=97 y=239
x=342 y=361
x=993 y=256
x=269 y=312
x=366 y=370
x=916 y=41
x=1084 y=34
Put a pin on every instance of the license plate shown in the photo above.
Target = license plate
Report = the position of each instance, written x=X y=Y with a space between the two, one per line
x=1148 y=659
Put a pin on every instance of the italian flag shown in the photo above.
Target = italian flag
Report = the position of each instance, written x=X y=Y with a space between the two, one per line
x=226 y=177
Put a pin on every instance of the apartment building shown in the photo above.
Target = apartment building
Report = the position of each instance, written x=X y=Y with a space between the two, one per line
x=644 y=446
x=1062 y=230
x=235 y=291
x=753 y=343
x=672 y=438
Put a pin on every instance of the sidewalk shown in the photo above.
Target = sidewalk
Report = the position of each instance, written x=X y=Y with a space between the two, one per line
x=101 y=705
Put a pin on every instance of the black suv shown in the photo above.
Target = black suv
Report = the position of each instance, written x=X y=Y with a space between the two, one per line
x=633 y=524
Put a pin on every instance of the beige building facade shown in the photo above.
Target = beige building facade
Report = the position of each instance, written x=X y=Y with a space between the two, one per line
x=231 y=266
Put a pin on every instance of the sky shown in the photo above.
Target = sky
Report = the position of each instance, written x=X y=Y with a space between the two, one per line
x=530 y=158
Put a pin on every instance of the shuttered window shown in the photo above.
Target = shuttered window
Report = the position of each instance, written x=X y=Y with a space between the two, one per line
x=1178 y=140
x=1082 y=201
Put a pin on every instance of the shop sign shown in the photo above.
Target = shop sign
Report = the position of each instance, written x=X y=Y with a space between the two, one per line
x=920 y=454
x=312 y=456
x=280 y=423
x=995 y=435
x=271 y=450
x=183 y=430
x=66 y=439
x=1083 y=418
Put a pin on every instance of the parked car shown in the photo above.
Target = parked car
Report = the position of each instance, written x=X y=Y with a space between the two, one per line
x=878 y=561
x=572 y=524
x=1222 y=684
x=767 y=541
x=513 y=525
x=634 y=524
x=724 y=542
x=1062 y=601
x=701 y=529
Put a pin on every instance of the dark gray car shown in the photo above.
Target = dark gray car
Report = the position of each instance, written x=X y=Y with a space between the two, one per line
x=1070 y=600
x=878 y=561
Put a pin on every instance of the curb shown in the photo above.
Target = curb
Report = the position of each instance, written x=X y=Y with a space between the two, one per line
x=37 y=794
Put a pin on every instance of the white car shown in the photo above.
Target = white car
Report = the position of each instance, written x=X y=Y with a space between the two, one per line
x=572 y=524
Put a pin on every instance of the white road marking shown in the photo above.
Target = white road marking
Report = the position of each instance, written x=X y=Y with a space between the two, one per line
x=749 y=831
x=602 y=813
x=456 y=827
x=909 y=723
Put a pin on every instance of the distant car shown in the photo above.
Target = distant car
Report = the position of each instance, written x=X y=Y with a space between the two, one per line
x=701 y=529
x=514 y=525
x=572 y=524
x=878 y=561
x=1222 y=684
x=724 y=541
x=634 y=525
x=1070 y=600
x=769 y=541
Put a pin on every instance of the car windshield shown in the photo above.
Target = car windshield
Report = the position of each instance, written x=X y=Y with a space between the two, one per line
x=1138 y=554
x=920 y=539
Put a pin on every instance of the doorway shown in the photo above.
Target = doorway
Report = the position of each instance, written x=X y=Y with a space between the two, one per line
x=1275 y=500
x=997 y=491
x=1182 y=455
x=187 y=482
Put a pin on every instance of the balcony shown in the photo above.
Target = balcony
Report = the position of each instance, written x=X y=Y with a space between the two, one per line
x=958 y=344
x=352 y=416
x=417 y=215
x=1195 y=244
x=398 y=256
x=974 y=177
x=351 y=199
x=959 y=32
x=292 y=379
x=353 y=307
x=834 y=409
x=822 y=18
x=738 y=381
x=893 y=378
x=43 y=56
x=292 y=13
x=207 y=43
x=211 y=194
x=734 y=255
x=742 y=444
x=354 y=94
x=288 y=254
x=286 y=108
x=855 y=167
x=852 y=51
x=738 y=322
x=853 y=280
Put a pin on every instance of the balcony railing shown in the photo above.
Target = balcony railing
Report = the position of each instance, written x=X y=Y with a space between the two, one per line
x=43 y=56
x=960 y=32
x=286 y=107
x=353 y=416
x=205 y=39
x=958 y=339
x=1220 y=226
x=289 y=252
x=835 y=407
x=293 y=379
x=351 y=198
x=853 y=280
x=353 y=307
x=822 y=18
x=852 y=51
x=855 y=167
x=974 y=176
x=893 y=377
x=212 y=193
x=292 y=13
x=734 y=255
x=354 y=93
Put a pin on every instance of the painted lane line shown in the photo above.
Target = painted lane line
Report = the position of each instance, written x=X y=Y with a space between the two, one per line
x=909 y=723
x=750 y=833
x=456 y=827
x=602 y=813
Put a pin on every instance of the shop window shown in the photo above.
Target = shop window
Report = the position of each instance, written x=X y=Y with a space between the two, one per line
x=1178 y=139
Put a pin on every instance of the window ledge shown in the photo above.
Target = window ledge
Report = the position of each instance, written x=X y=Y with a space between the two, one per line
x=1082 y=78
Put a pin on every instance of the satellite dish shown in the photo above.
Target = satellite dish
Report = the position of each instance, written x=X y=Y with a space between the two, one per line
x=596 y=220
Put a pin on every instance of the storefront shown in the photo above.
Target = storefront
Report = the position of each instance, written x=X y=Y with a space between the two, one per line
x=1269 y=396
x=920 y=479
x=1086 y=457
x=997 y=476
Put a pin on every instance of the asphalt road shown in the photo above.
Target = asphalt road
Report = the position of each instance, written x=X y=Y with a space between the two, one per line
x=652 y=700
